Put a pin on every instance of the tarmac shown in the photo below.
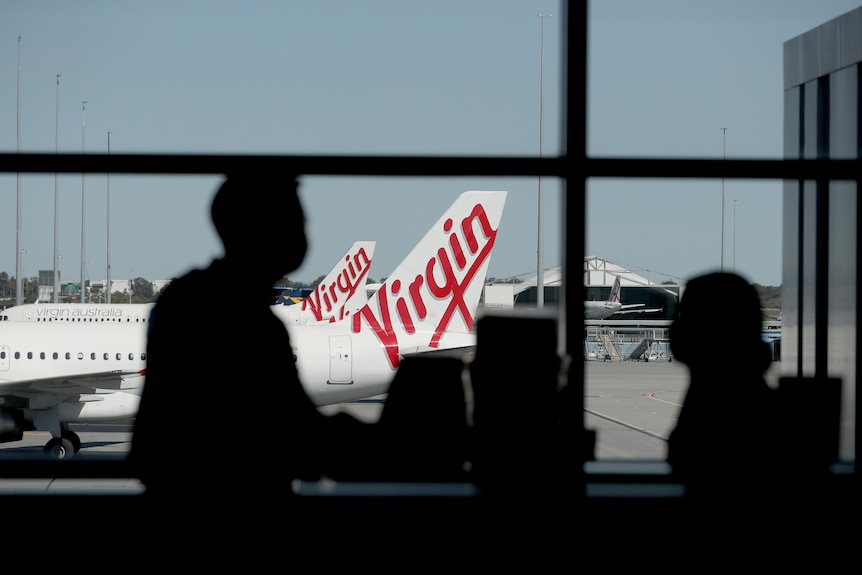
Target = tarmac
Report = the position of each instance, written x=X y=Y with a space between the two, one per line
x=632 y=407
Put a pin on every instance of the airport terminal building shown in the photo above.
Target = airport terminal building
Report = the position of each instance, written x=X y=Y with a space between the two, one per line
x=820 y=285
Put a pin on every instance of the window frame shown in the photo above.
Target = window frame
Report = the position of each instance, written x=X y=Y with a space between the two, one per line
x=573 y=166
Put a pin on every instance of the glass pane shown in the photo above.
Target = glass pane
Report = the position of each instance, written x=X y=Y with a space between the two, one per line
x=656 y=235
x=144 y=252
x=284 y=77
x=665 y=77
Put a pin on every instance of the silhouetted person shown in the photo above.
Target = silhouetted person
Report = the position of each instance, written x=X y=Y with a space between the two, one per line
x=223 y=413
x=725 y=443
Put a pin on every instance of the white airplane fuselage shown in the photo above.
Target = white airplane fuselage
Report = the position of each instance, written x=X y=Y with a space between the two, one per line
x=101 y=365
x=78 y=312
x=600 y=309
x=336 y=365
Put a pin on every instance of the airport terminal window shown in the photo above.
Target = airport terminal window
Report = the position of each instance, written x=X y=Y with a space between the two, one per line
x=651 y=386
x=579 y=181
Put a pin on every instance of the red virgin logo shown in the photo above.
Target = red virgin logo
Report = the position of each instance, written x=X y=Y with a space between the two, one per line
x=437 y=285
x=351 y=277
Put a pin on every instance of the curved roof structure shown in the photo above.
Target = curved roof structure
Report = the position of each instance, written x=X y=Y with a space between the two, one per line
x=599 y=271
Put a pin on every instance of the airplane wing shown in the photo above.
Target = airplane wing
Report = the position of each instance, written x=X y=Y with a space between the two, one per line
x=463 y=352
x=635 y=308
x=72 y=385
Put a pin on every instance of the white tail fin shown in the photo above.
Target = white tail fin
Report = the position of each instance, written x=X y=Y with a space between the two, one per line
x=615 y=291
x=341 y=293
x=432 y=296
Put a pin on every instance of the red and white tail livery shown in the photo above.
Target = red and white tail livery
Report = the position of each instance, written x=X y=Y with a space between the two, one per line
x=339 y=294
x=428 y=303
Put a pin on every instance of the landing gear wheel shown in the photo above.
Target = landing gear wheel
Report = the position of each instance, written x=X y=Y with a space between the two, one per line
x=74 y=438
x=59 y=448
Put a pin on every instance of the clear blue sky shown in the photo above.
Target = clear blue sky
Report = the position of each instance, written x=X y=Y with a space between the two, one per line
x=393 y=77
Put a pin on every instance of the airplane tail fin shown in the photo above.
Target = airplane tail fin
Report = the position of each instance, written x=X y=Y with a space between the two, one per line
x=431 y=299
x=615 y=291
x=341 y=293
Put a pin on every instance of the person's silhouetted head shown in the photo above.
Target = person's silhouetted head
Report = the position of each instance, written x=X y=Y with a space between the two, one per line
x=719 y=310
x=260 y=221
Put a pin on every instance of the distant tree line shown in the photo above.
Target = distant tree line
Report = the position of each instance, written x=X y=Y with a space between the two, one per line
x=770 y=296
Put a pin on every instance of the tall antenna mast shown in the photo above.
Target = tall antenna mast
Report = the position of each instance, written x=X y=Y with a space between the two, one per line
x=540 y=251
x=19 y=249
x=108 y=193
x=57 y=200
x=83 y=234
x=723 y=157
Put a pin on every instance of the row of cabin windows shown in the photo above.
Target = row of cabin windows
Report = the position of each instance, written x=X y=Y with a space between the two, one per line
x=91 y=319
x=82 y=319
x=68 y=355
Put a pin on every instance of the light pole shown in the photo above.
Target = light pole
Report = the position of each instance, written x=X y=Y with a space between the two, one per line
x=540 y=249
x=23 y=272
x=131 y=285
x=84 y=291
x=108 y=194
x=734 y=236
x=723 y=157
x=83 y=235
x=18 y=249
x=57 y=200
